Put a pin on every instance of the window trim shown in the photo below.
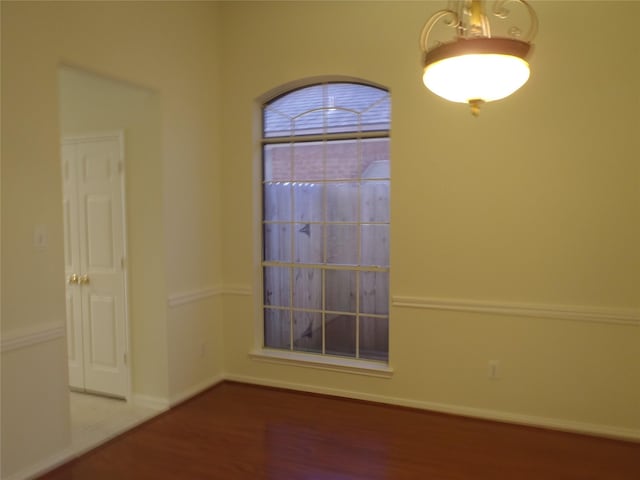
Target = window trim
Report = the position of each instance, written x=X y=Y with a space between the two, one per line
x=260 y=352
x=331 y=363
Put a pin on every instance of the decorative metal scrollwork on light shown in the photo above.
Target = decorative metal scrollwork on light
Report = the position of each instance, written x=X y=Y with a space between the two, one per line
x=477 y=66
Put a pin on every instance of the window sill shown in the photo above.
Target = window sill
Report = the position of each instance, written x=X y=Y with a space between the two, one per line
x=334 y=364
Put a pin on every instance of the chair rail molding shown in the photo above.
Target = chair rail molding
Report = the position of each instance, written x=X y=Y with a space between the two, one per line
x=192 y=296
x=240 y=290
x=562 y=312
x=26 y=337
x=183 y=298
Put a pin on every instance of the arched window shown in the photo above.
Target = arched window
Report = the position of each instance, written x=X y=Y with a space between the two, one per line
x=325 y=192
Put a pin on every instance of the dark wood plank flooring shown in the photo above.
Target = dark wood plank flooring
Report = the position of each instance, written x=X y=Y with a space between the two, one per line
x=237 y=431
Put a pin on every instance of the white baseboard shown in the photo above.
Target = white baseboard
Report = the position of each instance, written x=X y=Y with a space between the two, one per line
x=195 y=390
x=43 y=466
x=159 y=404
x=605 y=431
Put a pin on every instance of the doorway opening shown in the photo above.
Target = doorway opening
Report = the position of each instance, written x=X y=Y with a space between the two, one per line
x=112 y=173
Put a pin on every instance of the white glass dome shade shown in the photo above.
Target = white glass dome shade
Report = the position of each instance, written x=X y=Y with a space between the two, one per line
x=478 y=69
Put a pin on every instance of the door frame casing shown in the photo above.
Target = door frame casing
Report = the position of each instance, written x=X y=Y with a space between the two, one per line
x=119 y=136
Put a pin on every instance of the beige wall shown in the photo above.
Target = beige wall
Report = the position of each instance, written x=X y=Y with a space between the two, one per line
x=35 y=411
x=171 y=49
x=536 y=203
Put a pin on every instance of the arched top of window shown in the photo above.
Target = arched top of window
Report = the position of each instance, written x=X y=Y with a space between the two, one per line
x=328 y=108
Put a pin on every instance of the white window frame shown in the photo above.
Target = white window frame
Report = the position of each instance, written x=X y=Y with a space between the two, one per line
x=260 y=352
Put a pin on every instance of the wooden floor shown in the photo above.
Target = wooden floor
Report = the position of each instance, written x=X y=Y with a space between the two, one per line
x=237 y=431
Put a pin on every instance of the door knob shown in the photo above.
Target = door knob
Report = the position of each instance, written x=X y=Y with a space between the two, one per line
x=73 y=279
x=84 y=279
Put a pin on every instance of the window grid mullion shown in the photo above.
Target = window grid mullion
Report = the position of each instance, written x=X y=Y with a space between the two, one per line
x=311 y=222
x=329 y=266
x=324 y=247
x=321 y=181
x=359 y=138
x=331 y=312
x=359 y=243
x=372 y=134
x=323 y=315
x=292 y=202
x=290 y=308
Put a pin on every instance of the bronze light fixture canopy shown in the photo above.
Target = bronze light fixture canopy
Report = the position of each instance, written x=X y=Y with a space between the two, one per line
x=476 y=67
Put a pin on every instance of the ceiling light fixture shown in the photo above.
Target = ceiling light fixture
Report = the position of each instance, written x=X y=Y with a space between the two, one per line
x=476 y=67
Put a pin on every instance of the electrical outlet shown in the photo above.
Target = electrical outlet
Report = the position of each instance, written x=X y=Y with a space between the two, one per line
x=494 y=369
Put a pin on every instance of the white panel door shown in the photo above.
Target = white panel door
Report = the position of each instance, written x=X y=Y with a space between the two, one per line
x=72 y=267
x=100 y=334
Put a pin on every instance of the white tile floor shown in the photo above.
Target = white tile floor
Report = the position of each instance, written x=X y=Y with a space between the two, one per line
x=95 y=419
